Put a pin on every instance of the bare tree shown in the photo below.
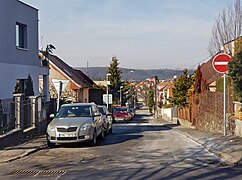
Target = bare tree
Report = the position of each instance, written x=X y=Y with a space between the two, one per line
x=227 y=27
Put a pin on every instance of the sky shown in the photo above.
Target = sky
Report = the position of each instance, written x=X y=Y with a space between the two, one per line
x=142 y=34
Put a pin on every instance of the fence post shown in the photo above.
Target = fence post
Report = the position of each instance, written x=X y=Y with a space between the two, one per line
x=41 y=115
x=33 y=110
x=19 y=113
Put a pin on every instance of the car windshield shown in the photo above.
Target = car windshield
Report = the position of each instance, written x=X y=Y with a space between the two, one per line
x=124 y=109
x=101 y=110
x=74 y=111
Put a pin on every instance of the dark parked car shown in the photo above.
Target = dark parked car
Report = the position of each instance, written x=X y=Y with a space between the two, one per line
x=107 y=118
x=75 y=123
x=132 y=112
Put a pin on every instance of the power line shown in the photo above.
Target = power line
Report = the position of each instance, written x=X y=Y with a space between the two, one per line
x=199 y=62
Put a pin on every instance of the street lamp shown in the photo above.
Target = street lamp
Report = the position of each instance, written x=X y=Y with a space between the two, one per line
x=156 y=101
x=120 y=97
x=107 y=83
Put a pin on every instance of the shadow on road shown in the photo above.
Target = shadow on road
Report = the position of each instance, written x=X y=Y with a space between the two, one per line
x=189 y=164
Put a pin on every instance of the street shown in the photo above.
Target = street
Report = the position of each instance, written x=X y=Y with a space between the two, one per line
x=141 y=149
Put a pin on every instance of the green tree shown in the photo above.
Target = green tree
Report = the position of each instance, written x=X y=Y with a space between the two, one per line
x=129 y=94
x=150 y=100
x=235 y=66
x=115 y=78
x=29 y=90
x=181 y=90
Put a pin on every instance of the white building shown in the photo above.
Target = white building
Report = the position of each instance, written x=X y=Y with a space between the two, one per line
x=19 y=48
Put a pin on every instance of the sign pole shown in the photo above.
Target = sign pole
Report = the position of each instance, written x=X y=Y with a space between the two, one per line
x=107 y=96
x=107 y=83
x=58 y=97
x=220 y=64
x=224 y=104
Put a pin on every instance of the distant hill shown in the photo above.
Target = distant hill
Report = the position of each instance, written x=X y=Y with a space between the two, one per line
x=98 y=73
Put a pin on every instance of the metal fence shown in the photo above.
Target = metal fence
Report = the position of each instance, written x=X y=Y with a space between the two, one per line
x=26 y=115
x=50 y=108
x=7 y=115
x=27 y=109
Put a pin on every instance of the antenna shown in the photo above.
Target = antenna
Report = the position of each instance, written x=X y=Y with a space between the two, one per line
x=87 y=68
x=41 y=43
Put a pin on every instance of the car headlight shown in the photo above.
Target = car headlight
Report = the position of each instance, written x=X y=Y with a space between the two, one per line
x=50 y=128
x=85 y=127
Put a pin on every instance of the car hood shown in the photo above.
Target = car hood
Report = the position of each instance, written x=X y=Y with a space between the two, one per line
x=120 y=114
x=71 y=121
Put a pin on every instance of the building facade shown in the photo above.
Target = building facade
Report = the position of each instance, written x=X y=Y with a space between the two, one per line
x=19 y=48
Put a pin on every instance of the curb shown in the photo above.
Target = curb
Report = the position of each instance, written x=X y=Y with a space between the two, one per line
x=26 y=153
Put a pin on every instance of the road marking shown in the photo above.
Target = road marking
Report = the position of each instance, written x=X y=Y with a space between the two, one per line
x=139 y=124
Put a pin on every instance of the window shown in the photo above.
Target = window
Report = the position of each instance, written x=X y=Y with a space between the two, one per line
x=21 y=35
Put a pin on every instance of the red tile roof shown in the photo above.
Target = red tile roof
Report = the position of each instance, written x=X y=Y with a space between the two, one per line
x=209 y=75
x=76 y=75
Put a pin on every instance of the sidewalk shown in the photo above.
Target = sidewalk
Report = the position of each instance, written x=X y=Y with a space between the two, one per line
x=15 y=152
x=229 y=148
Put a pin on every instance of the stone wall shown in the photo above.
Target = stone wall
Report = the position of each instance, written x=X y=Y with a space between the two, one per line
x=206 y=113
x=210 y=115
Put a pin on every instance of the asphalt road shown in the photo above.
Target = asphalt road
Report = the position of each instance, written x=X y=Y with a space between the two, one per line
x=140 y=149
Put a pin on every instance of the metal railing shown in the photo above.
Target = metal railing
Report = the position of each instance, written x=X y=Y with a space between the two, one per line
x=28 y=119
x=7 y=115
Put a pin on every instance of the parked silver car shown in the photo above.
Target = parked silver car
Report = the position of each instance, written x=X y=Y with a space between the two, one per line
x=107 y=118
x=75 y=123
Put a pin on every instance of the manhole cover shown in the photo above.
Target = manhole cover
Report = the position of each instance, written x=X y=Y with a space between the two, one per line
x=37 y=173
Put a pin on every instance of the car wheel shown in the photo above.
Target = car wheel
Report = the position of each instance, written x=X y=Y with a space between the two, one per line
x=107 y=131
x=102 y=134
x=111 y=130
x=94 y=139
x=50 y=145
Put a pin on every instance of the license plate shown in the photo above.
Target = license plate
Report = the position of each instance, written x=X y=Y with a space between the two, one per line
x=67 y=135
x=119 y=118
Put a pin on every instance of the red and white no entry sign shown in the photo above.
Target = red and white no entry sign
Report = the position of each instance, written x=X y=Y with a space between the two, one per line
x=220 y=62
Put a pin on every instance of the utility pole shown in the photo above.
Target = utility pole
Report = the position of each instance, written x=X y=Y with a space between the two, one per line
x=156 y=101
x=120 y=95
